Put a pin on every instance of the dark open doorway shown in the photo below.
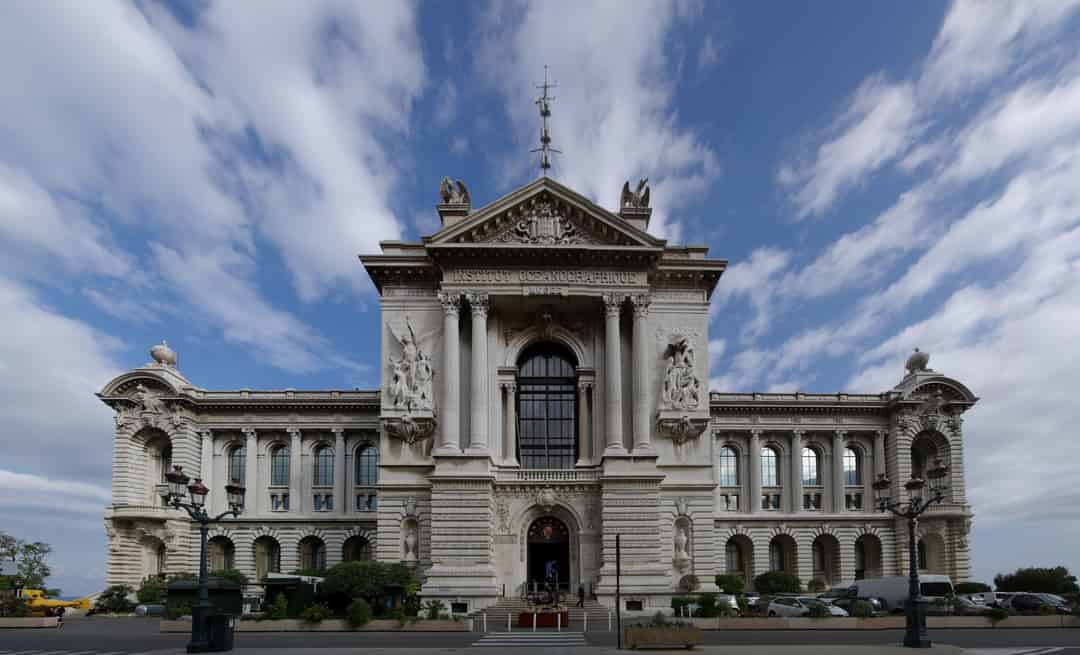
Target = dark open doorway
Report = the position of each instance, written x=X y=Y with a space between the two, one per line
x=548 y=553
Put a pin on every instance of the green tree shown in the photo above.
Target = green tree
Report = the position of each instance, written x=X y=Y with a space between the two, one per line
x=777 y=582
x=731 y=584
x=115 y=600
x=31 y=556
x=152 y=591
x=1056 y=580
x=370 y=580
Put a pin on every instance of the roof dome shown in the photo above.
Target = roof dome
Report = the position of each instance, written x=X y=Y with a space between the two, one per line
x=163 y=354
x=917 y=361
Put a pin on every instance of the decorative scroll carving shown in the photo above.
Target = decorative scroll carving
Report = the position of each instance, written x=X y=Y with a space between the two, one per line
x=681 y=429
x=409 y=429
x=451 y=303
x=410 y=386
x=543 y=224
x=639 y=197
x=410 y=506
x=682 y=387
x=479 y=303
x=641 y=302
x=547 y=498
x=613 y=304
x=682 y=506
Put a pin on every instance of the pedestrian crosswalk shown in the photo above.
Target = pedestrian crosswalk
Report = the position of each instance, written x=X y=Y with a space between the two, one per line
x=531 y=640
x=74 y=652
x=1030 y=650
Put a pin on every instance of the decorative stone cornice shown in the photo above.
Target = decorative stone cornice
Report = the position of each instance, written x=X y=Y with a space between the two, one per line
x=410 y=428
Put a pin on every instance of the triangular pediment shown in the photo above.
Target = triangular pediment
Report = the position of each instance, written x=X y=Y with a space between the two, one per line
x=544 y=214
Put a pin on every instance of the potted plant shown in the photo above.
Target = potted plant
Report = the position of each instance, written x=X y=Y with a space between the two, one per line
x=662 y=632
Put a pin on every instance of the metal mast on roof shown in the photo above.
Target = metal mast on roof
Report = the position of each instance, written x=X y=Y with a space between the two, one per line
x=543 y=102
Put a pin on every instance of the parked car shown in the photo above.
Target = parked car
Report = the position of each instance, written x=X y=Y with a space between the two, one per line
x=841 y=591
x=966 y=606
x=800 y=606
x=728 y=602
x=150 y=610
x=1024 y=603
x=847 y=604
x=893 y=591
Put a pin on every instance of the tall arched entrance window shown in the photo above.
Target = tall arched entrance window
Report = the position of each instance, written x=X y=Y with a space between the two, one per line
x=547 y=408
x=548 y=543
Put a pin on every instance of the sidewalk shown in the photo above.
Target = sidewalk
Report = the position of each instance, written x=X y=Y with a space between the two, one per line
x=819 y=649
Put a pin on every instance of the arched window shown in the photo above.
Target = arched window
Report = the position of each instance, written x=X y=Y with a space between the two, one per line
x=166 y=462
x=267 y=557
x=367 y=466
x=733 y=556
x=222 y=553
x=237 y=464
x=547 y=408
x=817 y=549
x=776 y=556
x=852 y=468
x=324 y=467
x=356 y=549
x=811 y=467
x=279 y=466
x=729 y=467
x=770 y=467
x=312 y=554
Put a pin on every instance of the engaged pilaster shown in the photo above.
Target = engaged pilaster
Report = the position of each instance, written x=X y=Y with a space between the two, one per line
x=613 y=374
x=585 y=448
x=296 y=472
x=754 y=502
x=510 y=425
x=642 y=408
x=478 y=441
x=879 y=453
x=451 y=411
x=838 y=470
x=206 y=462
x=795 y=484
x=253 y=499
x=341 y=505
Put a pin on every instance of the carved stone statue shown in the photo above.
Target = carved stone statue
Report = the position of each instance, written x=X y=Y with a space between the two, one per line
x=410 y=542
x=682 y=388
x=147 y=401
x=682 y=557
x=918 y=361
x=411 y=375
x=638 y=198
x=452 y=195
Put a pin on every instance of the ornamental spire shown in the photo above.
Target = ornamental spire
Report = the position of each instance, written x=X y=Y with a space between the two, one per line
x=544 y=103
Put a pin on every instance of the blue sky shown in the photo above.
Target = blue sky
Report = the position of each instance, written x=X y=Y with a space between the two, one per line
x=880 y=175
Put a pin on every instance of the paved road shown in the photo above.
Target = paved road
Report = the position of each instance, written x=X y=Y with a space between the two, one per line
x=99 y=635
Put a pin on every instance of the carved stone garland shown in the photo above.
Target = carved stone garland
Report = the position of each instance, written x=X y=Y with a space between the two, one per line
x=543 y=223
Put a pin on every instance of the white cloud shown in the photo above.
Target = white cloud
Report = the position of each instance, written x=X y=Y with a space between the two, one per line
x=753 y=279
x=614 y=117
x=708 y=53
x=446 y=104
x=23 y=490
x=879 y=126
x=459 y=145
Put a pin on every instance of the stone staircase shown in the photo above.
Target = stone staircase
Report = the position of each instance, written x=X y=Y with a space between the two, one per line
x=496 y=615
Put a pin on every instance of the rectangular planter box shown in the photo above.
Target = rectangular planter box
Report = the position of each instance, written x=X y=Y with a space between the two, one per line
x=329 y=625
x=673 y=636
x=543 y=619
x=884 y=623
x=28 y=622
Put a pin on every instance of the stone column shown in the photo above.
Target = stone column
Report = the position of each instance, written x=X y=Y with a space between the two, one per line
x=478 y=441
x=341 y=505
x=642 y=413
x=795 y=484
x=838 y=470
x=253 y=501
x=584 y=433
x=510 y=423
x=296 y=473
x=613 y=374
x=754 y=448
x=206 y=464
x=451 y=416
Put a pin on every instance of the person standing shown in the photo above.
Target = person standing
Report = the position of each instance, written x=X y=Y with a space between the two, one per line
x=60 y=617
x=581 y=595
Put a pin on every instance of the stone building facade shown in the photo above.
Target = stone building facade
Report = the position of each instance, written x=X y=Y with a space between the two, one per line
x=544 y=388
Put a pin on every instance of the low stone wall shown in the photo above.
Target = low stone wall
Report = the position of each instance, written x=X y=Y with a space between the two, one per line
x=884 y=623
x=28 y=622
x=329 y=625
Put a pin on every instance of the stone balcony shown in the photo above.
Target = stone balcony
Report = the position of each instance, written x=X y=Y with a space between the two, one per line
x=548 y=476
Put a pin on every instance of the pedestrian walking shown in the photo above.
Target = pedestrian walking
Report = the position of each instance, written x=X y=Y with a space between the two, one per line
x=59 y=617
x=581 y=595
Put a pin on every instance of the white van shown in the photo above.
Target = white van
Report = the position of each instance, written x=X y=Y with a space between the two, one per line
x=893 y=591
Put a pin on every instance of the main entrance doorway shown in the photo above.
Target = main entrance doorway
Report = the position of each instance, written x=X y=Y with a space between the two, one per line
x=548 y=553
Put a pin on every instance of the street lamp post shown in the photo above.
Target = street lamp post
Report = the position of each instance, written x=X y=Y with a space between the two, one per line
x=196 y=509
x=915 y=635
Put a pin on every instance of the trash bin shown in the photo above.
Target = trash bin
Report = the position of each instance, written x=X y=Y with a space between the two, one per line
x=221 y=632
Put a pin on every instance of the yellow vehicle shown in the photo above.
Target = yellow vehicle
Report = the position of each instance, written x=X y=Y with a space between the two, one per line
x=40 y=605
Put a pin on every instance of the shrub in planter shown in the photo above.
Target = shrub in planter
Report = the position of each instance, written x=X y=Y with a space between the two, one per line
x=280 y=609
x=680 y=604
x=707 y=607
x=114 y=600
x=862 y=609
x=232 y=575
x=177 y=612
x=434 y=608
x=731 y=584
x=1046 y=609
x=316 y=613
x=777 y=582
x=151 y=591
x=818 y=611
x=14 y=607
x=358 y=613
x=815 y=586
x=744 y=604
x=997 y=614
